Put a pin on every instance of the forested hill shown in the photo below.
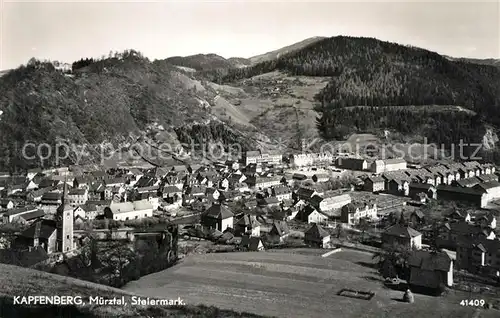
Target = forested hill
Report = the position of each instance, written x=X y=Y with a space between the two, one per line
x=207 y=62
x=104 y=100
x=370 y=72
x=367 y=71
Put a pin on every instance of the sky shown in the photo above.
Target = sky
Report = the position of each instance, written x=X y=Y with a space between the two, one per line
x=69 y=30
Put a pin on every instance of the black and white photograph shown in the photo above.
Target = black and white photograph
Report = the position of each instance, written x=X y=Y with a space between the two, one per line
x=249 y=158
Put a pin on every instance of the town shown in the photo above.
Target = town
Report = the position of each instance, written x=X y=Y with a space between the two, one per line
x=443 y=217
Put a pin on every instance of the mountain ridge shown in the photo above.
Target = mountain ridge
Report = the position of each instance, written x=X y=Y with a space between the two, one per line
x=73 y=104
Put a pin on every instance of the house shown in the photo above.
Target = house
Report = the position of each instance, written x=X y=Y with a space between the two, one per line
x=310 y=215
x=247 y=225
x=36 y=195
x=353 y=212
x=269 y=202
x=402 y=235
x=320 y=177
x=13 y=214
x=358 y=164
x=472 y=195
x=457 y=215
x=263 y=182
x=279 y=231
x=42 y=233
x=478 y=255
x=447 y=177
x=6 y=204
x=52 y=198
x=397 y=183
x=86 y=211
x=124 y=211
x=171 y=194
x=252 y=243
x=317 y=236
x=451 y=232
x=374 y=184
x=430 y=270
x=281 y=192
x=417 y=218
x=416 y=188
x=487 y=220
x=330 y=202
x=305 y=194
x=218 y=217
x=212 y=194
x=387 y=165
x=26 y=218
x=77 y=197
x=491 y=188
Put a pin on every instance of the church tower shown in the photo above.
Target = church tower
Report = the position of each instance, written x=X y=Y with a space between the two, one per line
x=64 y=225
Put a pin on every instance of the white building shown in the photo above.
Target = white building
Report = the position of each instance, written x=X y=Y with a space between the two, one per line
x=129 y=210
x=310 y=159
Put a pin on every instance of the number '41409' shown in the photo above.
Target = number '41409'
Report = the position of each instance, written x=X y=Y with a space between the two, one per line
x=472 y=302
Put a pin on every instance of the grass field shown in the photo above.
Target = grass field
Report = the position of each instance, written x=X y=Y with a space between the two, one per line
x=293 y=284
x=18 y=281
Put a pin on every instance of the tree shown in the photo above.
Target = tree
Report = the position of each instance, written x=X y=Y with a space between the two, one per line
x=397 y=255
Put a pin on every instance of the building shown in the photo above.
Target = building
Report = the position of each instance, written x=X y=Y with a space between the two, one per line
x=258 y=156
x=316 y=236
x=64 y=227
x=415 y=189
x=6 y=204
x=42 y=233
x=320 y=177
x=281 y=192
x=472 y=195
x=430 y=270
x=374 y=184
x=124 y=211
x=451 y=232
x=252 y=243
x=397 y=183
x=218 y=217
x=88 y=211
x=263 y=182
x=310 y=159
x=11 y=215
x=52 y=198
x=353 y=212
x=248 y=225
x=305 y=194
x=310 y=215
x=330 y=201
x=492 y=190
x=399 y=234
x=479 y=255
x=387 y=165
x=171 y=194
x=279 y=231
x=77 y=197
x=358 y=164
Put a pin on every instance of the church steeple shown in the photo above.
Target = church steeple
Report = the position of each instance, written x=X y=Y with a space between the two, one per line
x=64 y=223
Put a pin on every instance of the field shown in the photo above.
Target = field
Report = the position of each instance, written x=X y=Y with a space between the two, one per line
x=18 y=281
x=287 y=283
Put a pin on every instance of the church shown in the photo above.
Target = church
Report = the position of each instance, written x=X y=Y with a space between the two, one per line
x=52 y=235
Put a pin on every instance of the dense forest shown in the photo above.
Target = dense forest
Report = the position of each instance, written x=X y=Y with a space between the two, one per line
x=438 y=127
